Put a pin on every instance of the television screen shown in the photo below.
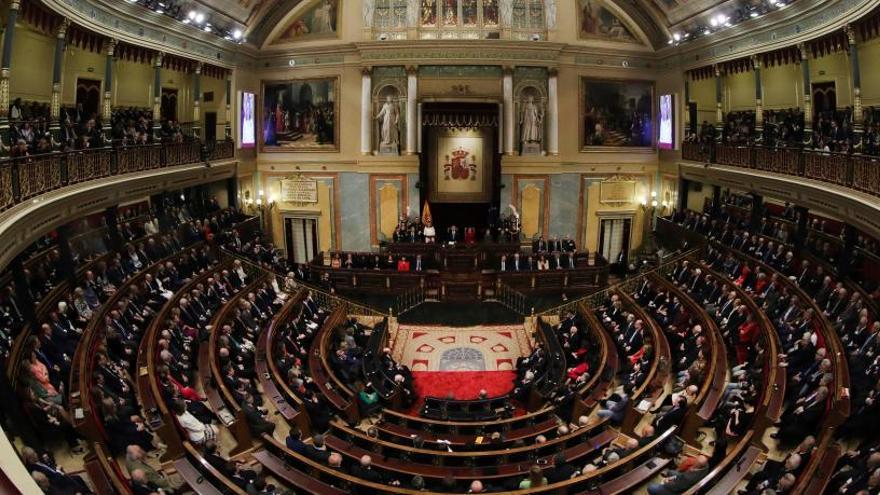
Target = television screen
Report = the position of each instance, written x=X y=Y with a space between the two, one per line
x=666 y=140
x=248 y=132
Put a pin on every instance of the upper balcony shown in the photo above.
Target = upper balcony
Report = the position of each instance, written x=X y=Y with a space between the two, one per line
x=851 y=170
x=26 y=177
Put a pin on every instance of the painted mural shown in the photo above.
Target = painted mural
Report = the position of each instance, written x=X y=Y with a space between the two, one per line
x=320 y=21
x=597 y=21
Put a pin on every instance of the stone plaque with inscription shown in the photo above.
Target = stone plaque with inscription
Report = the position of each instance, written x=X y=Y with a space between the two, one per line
x=299 y=190
x=617 y=191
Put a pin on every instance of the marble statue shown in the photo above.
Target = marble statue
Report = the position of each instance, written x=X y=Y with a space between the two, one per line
x=368 y=8
x=505 y=7
x=389 y=119
x=531 y=119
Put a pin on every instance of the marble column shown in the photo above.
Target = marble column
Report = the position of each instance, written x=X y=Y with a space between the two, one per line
x=227 y=127
x=808 y=97
x=412 y=95
x=719 y=99
x=157 y=94
x=507 y=85
x=419 y=128
x=366 y=111
x=106 y=111
x=856 y=76
x=6 y=67
x=57 y=71
x=553 y=112
x=759 y=106
x=197 y=101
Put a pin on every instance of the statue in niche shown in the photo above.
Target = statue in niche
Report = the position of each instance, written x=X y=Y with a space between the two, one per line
x=368 y=8
x=389 y=126
x=506 y=10
x=531 y=121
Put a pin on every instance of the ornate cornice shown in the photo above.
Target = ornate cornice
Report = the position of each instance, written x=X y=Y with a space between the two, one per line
x=458 y=51
x=139 y=26
x=797 y=23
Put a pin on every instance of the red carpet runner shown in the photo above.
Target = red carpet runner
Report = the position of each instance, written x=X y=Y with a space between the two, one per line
x=463 y=385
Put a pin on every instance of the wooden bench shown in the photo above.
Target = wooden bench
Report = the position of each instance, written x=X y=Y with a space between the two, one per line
x=661 y=366
x=192 y=474
x=634 y=478
x=712 y=389
x=572 y=444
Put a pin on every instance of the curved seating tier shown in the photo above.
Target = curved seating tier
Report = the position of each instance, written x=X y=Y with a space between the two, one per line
x=816 y=473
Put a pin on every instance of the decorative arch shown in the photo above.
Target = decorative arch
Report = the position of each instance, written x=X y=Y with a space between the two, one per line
x=307 y=21
x=605 y=20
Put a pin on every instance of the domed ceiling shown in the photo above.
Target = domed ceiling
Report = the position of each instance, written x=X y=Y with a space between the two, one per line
x=657 y=22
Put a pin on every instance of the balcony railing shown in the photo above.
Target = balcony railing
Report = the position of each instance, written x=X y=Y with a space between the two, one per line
x=26 y=177
x=856 y=171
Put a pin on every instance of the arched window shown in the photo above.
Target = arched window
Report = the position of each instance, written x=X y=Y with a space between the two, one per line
x=459 y=19
x=456 y=19
x=528 y=19
x=389 y=19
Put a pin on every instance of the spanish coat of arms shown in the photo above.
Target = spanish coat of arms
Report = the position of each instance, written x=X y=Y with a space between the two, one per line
x=462 y=166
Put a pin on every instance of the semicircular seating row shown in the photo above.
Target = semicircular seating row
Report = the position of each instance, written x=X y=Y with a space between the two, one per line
x=200 y=374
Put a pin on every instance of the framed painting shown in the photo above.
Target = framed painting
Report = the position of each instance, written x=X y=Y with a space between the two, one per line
x=616 y=114
x=300 y=115
x=460 y=165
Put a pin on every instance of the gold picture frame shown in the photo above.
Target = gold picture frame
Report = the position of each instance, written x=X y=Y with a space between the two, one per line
x=267 y=102
x=484 y=167
x=582 y=103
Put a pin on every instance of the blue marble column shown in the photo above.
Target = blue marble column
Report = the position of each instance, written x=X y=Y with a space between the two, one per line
x=564 y=195
x=354 y=194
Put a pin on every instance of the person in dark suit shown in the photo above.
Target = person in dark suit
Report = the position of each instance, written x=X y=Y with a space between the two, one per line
x=680 y=482
x=562 y=470
x=804 y=419
x=672 y=417
x=256 y=419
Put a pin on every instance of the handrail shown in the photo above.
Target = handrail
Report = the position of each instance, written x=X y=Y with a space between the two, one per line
x=505 y=450
x=852 y=170
x=552 y=488
x=318 y=292
x=25 y=177
x=571 y=306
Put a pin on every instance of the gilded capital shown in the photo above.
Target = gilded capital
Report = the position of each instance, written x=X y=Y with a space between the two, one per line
x=61 y=33
x=804 y=51
x=110 y=46
x=850 y=34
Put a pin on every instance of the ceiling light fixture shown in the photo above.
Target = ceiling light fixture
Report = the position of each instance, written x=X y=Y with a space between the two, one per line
x=237 y=34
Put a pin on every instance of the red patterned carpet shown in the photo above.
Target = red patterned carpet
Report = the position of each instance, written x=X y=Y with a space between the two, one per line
x=463 y=385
